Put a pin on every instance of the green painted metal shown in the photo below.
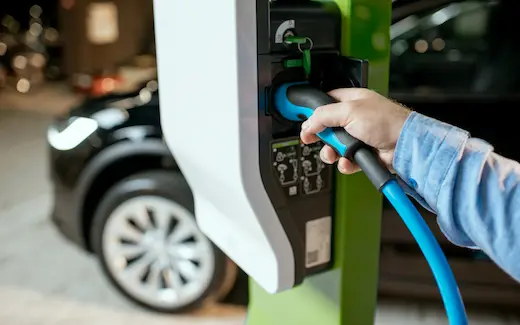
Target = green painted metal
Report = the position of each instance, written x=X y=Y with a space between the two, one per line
x=346 y=295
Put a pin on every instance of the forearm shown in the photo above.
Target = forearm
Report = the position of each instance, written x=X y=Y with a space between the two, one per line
x=474 y=191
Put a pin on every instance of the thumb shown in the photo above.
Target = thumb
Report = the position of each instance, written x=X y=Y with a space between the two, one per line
x=331 y=115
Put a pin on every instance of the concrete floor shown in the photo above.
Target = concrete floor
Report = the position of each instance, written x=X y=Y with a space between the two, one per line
x=46 y=281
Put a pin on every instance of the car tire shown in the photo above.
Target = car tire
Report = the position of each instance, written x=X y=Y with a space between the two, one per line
x=127 y=219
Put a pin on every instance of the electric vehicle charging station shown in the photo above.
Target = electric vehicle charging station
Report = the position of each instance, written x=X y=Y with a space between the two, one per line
x=307 y=237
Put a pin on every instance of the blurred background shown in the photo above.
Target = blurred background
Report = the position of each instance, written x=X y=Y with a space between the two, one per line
x=86 y=196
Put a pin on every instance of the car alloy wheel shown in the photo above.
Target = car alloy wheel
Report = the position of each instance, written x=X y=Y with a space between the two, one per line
x=155 y=251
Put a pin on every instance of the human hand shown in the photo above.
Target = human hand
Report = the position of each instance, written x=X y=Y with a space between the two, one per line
x=366 y=115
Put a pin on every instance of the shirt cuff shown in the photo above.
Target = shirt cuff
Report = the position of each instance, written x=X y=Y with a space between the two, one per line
x=424 y=154
x=412 y=193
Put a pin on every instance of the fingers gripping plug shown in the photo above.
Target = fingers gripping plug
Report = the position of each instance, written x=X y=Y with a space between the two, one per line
x=298 y=101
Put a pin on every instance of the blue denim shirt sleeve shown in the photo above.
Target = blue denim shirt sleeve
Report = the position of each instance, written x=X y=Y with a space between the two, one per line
x=474 y=191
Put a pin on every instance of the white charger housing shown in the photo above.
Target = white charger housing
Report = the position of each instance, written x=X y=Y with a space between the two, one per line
x=207 y=67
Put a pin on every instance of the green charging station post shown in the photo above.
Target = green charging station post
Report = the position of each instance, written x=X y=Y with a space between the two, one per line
x=347 y=294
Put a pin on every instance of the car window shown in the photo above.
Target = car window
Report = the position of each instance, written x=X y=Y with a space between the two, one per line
x=440 y=50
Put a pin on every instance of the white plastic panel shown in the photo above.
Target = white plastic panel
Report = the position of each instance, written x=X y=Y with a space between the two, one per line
x=207 y=66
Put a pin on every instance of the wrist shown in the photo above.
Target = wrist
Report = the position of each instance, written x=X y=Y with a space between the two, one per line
x=402 y=115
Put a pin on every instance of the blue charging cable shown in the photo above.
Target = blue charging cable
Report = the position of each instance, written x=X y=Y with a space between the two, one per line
x=432 y=251
x=297 y=102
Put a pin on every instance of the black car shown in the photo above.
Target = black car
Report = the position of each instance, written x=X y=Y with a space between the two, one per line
x=456 y=61
x=120 y=195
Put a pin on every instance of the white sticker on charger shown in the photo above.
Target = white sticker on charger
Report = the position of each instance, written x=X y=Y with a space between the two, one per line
x=318 y=241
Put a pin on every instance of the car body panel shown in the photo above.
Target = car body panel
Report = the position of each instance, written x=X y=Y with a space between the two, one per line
x=128 y=127
x=71 y=193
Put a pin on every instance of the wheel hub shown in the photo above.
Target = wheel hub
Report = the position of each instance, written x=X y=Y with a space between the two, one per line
x=154 y=250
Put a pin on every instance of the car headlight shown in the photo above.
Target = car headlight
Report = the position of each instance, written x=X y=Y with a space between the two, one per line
x=72 y=133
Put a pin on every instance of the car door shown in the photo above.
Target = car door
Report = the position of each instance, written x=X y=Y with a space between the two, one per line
x=440 y=50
